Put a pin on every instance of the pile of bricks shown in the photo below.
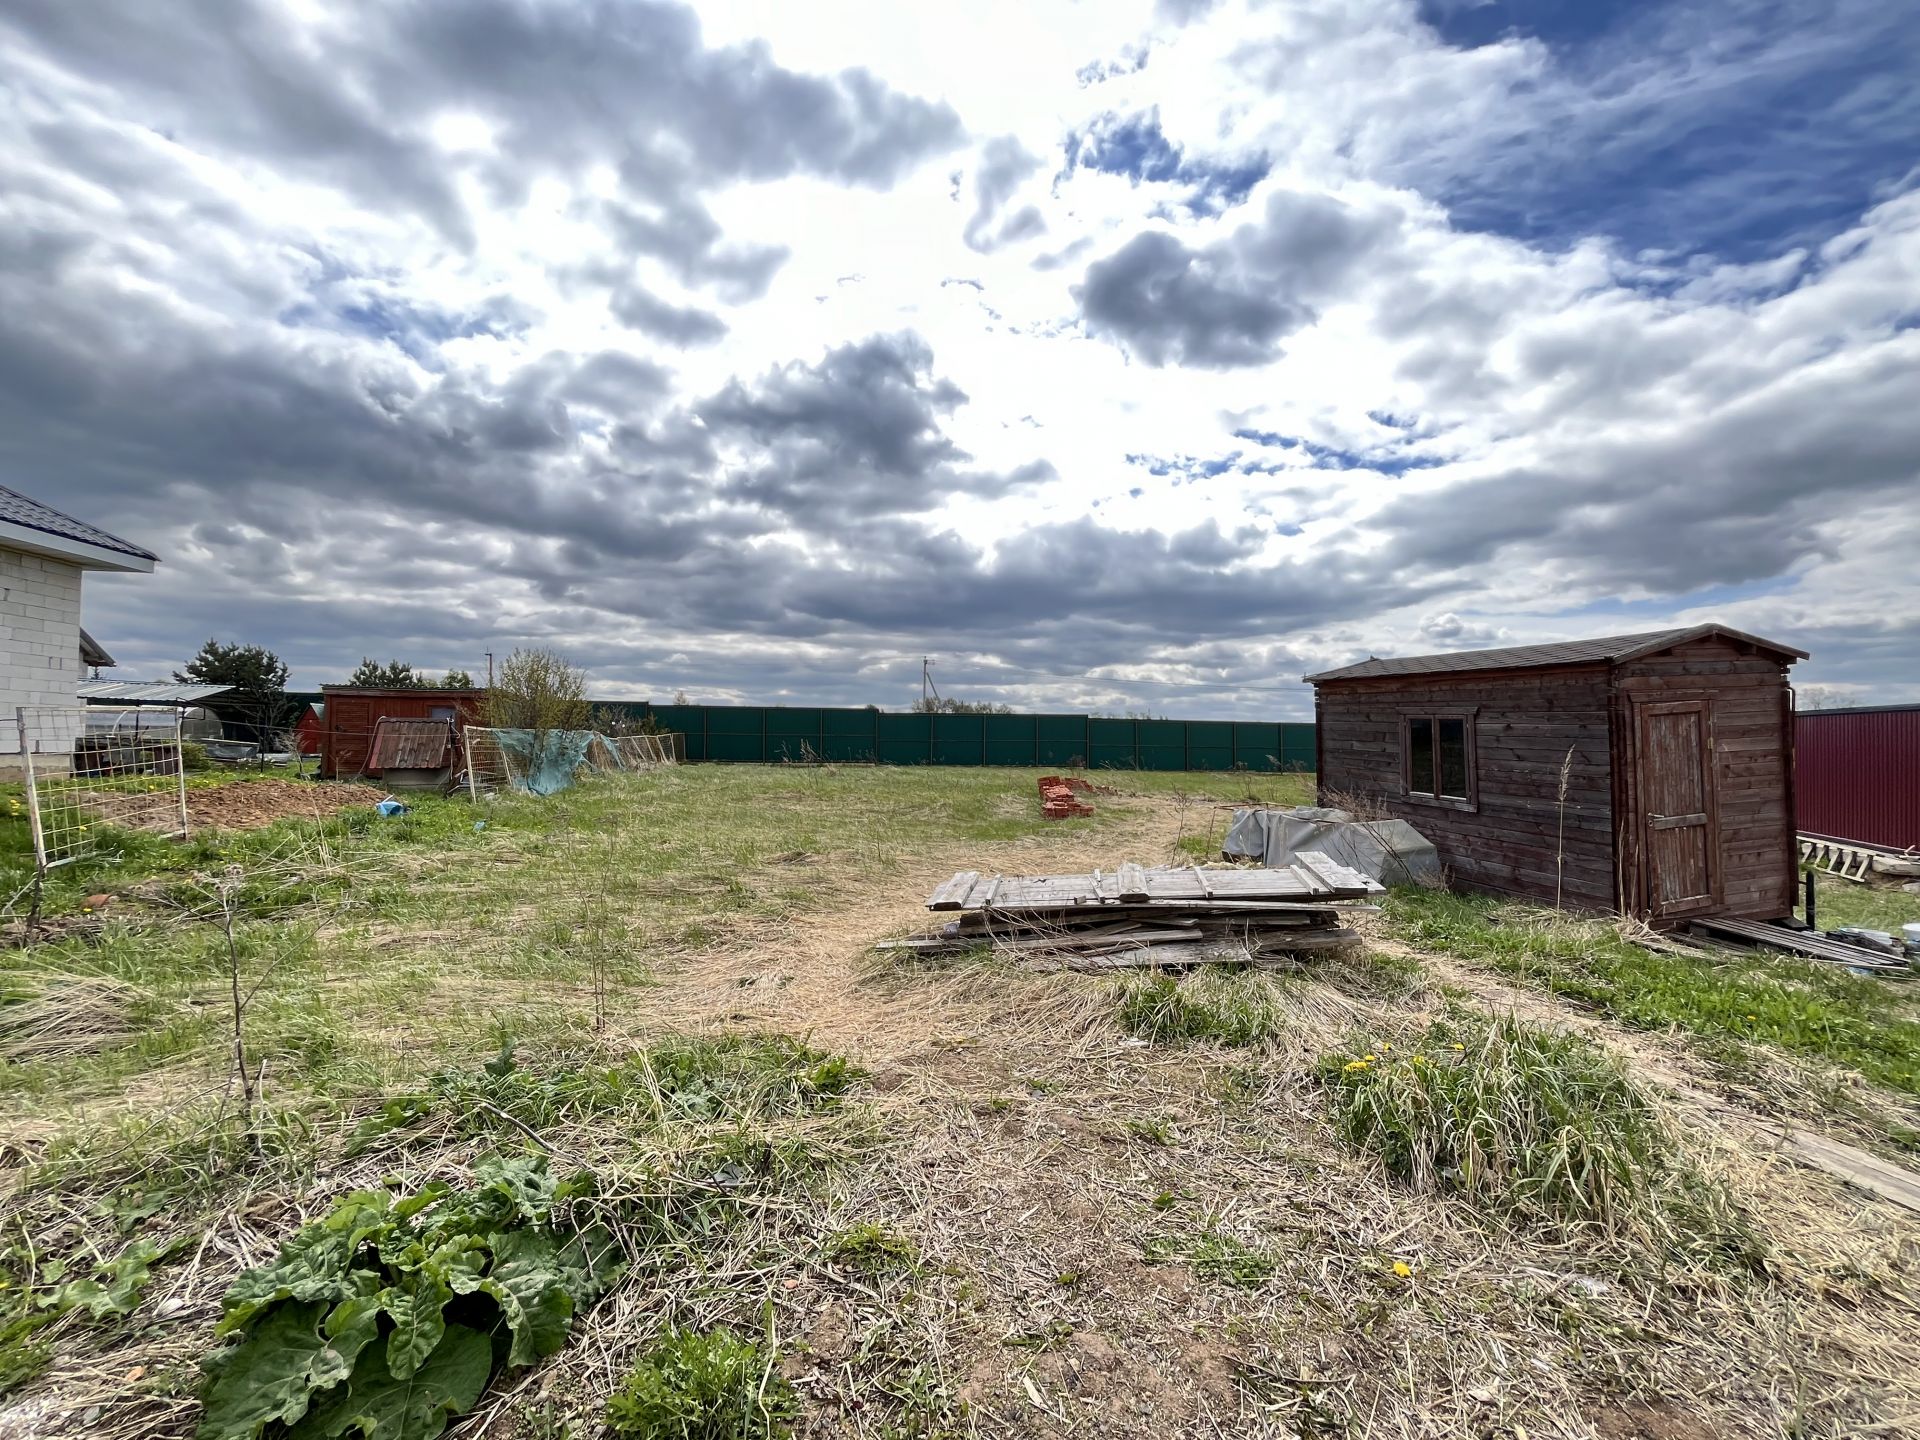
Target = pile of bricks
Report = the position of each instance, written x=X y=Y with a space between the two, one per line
x=1057 y=800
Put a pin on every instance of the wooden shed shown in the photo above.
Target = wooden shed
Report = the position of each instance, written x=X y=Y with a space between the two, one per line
x=351 y=713
x=1678 y=747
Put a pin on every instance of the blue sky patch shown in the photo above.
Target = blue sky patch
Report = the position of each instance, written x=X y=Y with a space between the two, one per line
x=1741 y=128
x=1135 y=146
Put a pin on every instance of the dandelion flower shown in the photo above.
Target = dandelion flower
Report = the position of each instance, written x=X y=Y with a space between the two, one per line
x=1368 y=1058
x=1402 y=1269
x=1458 y=1046
x=1353 y=1065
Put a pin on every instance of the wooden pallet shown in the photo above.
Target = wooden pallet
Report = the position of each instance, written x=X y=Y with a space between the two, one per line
x=1311 y=879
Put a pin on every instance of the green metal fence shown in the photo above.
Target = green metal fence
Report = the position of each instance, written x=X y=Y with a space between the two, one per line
x=775 y=734
x=778 y=733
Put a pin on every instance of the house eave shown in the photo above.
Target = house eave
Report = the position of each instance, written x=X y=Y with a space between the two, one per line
x=77 y=553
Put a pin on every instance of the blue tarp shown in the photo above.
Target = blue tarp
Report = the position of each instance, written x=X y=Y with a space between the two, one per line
x=548 y=759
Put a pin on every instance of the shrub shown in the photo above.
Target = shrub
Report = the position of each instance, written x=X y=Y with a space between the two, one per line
x=1537 y=1125
x=711 y=1385
x=193 y=756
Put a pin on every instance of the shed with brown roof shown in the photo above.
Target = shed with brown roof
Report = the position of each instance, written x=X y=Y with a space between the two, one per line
x=1676 y=748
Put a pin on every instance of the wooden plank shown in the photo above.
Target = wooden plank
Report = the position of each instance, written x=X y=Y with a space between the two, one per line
x=1215 y=952
x=1335 y=876
x=1795 y=942
x=952 y=894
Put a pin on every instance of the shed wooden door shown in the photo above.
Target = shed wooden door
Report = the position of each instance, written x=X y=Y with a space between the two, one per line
x=1678 y=808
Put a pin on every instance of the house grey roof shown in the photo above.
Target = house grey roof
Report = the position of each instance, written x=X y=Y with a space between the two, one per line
x=1608 y=649
x=93 y=654
x=147 y=692
x=18 y=509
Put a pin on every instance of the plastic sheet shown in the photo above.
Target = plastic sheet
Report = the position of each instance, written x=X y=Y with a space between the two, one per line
x=1391 y=851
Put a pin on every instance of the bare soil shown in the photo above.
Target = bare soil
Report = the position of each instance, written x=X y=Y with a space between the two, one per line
x=249 y=804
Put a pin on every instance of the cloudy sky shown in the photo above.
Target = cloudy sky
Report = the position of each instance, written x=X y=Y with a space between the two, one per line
x=1117 y=354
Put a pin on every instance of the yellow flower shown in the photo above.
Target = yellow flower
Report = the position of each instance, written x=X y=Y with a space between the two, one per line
x=1458 y=1046
x=1402 y=1269
x=1353 y=1065
x=1419 y=1059
x=1386 y=1047
x=1368 y=1058
x=1753 y=1017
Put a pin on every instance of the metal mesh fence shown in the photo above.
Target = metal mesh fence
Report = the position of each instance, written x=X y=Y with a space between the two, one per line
x=629 y=752
x=93 y=768
x=493 y=764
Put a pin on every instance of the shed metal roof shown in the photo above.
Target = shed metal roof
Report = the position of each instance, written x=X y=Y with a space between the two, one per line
x=30 y=514
x=148 y=692
x=1608 y=649
x=411 y=744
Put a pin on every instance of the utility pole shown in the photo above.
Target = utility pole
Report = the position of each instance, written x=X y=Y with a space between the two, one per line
x=489 y=669
x=926 y=682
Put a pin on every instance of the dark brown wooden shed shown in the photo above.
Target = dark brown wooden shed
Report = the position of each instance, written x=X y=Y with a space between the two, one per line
x=1679 y=753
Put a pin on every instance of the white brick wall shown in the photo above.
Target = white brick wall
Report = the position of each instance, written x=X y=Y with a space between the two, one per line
x=39 y=637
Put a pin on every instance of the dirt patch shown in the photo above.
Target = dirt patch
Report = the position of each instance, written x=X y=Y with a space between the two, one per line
x=249 y=804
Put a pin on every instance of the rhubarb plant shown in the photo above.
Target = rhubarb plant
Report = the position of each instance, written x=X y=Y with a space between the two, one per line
x=388 y=1317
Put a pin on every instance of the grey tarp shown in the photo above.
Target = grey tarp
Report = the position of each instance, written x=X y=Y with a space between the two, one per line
x=1391 y=851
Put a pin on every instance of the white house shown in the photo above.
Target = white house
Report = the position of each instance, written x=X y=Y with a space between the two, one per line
x=43 y=554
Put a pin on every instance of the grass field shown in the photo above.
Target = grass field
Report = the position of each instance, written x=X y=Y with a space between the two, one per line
x=838 y=1194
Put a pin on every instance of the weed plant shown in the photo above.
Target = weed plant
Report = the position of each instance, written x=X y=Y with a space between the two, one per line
x=1216 y=1005
x=704 y=1385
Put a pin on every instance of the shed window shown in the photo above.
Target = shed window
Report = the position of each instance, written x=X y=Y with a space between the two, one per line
x=1437 y=754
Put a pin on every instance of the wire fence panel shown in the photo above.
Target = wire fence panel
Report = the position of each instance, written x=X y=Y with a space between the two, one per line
x=91 y=768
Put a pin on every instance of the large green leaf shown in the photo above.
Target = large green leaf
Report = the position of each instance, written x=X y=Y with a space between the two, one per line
x=523 y=1179
x=379 y=1405
x=415 y=1305
x=314 y=1264
x=591 y=1260
x=271 y=1374
x=527 y=1280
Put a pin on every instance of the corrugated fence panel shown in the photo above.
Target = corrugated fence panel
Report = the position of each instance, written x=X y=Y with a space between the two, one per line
x=1296 y=750
x=1209 y=745
x=959 y=740
x=905 y=739
x=850 y=735
x=1161 y=744
x=1856 y=775
x=1060 y=740
x=1012 y=739
x=1110 y=745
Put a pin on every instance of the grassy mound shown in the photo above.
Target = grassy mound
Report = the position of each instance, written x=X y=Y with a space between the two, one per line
x=1539 y=1127
x=1222 y=1006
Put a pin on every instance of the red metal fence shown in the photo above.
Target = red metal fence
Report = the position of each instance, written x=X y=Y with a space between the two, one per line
x=1856 y=774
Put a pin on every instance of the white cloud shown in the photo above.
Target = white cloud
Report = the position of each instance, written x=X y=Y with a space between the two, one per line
x=427 y=379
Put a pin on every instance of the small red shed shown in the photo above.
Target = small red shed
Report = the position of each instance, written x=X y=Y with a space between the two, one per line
x=306 y=735
x=1676 y=747
x=351 y=713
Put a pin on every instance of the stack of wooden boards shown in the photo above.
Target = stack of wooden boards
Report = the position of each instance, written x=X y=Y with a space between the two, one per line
x=1136 y=917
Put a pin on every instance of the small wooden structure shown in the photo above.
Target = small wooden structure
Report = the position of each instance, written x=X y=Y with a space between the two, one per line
x=350 y=714
x=413 y=754
x=1677 y=751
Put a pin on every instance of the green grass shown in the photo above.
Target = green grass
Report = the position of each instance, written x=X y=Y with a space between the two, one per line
x=1216 y=1005
x=704 y=1385
x=1873 y=907
x=1214 y=1255
x=1535 y=1125
x=1808 y=1009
